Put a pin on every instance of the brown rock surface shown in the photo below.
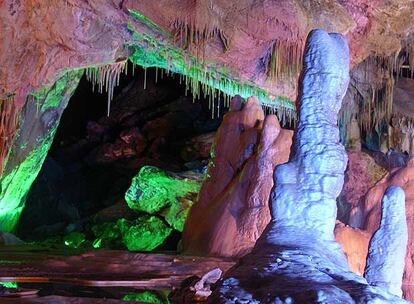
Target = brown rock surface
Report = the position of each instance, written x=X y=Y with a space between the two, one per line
x=233 y=210
x=354 y=243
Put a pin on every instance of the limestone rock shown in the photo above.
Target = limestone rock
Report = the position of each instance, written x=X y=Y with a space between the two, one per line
x=367 y=216
x=153 y=190
x=385 y=261
x=232 y=209
x=354 y=243
x=143 y=234
x=361 y=174
x=296 y=260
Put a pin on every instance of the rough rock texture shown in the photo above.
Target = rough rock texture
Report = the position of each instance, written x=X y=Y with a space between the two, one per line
x=143 y=234
x=296 y=260
x=232 y=210
x=79 y=33
x=385 y=261
x=153 y=190
x=354 y=243
x=38 y=123
x=361 y=174
x=41 y=40
x=367 y=216
x=403 y=120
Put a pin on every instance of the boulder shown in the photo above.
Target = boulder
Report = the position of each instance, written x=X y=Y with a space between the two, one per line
x=154 y=191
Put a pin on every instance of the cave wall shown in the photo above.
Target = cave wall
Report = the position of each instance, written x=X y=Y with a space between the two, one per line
x=38 y=123
x=238 y=40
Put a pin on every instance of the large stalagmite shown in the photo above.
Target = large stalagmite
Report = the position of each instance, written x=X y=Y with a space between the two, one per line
x=296 y=260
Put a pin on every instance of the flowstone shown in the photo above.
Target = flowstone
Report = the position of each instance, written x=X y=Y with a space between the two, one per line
x=297 y=260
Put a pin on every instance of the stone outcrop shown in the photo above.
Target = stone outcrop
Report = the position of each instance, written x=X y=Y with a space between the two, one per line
x=232 y=210
x=155 y=191
x=77 y=33
x=296 y=260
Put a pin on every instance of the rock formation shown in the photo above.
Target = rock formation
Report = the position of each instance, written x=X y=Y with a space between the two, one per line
x=232 y=210
x=241 y=40
x=367 y=217
x=296 y=260
x=362 y=173
x=385 y=261
x=354 y=243
x=155 y=191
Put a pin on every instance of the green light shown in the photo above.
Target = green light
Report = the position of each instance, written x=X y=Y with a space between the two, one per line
x=146 y=297
x=143 y=234
x=9 y=284
x=153 y=189
x=74 y=239
x=16 y=182
x=150 y=51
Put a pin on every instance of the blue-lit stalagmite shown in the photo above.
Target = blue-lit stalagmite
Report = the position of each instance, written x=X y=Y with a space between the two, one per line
x=386 y=256
x=296 y=260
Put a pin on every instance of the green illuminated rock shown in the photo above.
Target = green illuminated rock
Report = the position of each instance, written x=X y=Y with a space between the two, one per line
x=145 y=297
x=9 y=284
x=108 y=235
x=74 y=239
x=153 y=190
x=148 y=51
x=143 y=234
x=37 y=126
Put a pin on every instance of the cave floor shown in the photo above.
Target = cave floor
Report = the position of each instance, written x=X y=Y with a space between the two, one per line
x=69 y=276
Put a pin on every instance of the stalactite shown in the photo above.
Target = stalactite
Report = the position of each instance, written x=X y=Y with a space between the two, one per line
x=9 y=113
x=106 y=76
x=378 y=107
x=191 y=37
x=285 y=59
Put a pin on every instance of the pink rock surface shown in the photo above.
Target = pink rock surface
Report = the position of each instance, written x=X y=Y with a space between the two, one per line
x=233 y=210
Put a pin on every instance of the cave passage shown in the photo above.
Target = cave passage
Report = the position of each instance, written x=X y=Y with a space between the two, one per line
x=94 y=157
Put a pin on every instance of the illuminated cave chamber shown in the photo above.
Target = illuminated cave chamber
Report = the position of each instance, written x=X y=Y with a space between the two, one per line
x=154 y=129
x=148 y=169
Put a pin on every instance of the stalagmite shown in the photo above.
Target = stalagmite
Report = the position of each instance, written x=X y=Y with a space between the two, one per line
x=386 y=255
x=296 y=260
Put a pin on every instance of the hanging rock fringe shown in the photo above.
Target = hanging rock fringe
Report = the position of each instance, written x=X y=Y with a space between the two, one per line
x=211 y=85
x=107 y=76
x=378 y=108
x=285 y=59
x=9 y=114
x=190 y=37
x=406 y=56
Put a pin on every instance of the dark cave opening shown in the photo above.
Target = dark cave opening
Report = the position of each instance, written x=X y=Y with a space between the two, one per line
x=94 y=156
